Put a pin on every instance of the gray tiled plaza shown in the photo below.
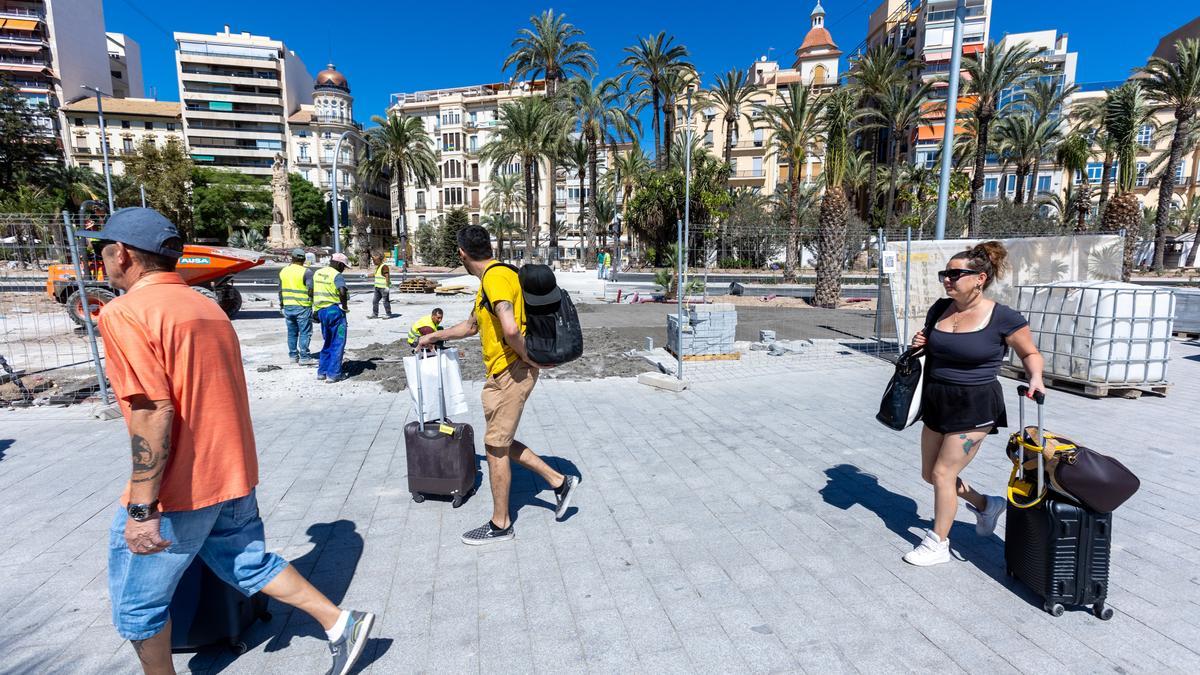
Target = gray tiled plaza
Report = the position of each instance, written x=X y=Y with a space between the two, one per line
x=753 y=523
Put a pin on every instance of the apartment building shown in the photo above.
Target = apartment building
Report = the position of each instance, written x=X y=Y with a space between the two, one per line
x=1151 y=146
x=753 y=167
x=49 y=49
x=313 y=133
x=1058 y=68
x=128 y=122
x=125 y=66
x=461 y=121
x=238 y=91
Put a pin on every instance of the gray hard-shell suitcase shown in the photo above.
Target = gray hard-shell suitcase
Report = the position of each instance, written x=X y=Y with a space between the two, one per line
x=1059 y=548
x=205 y=611
x=441 y=453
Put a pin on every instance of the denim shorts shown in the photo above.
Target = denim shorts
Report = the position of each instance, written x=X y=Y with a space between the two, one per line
x=227 y=536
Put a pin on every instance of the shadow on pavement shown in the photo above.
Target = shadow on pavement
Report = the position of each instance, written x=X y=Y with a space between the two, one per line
x=849 y=485
x=5 y=444
x=528 y=487
x=330 y=566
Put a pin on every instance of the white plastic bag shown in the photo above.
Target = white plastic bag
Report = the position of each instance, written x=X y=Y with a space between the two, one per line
x=452 y=387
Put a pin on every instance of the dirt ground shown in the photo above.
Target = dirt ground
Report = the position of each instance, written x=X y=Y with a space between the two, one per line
x=634 y=323
x=604 y=355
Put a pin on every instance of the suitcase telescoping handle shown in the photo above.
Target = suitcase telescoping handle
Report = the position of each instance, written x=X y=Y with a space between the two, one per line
x=1040 y=399
x=421 y=356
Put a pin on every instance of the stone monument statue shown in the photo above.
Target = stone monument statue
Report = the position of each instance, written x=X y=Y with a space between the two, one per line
x=284 y=233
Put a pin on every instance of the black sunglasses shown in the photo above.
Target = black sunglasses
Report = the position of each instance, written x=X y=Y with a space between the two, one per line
x=954 y=275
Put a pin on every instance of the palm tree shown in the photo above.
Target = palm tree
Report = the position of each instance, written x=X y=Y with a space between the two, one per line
x=649 y=62
x=1023 y=137
x=1045 y=101
x=795 y=125
x=1127 y=111
x=530 y=131
x=1089 y=121
x=505 y=198
x=840 y=114
x=858 y=173
x=991 y=72
x=674 y=89
x=876 y=72
x=731 y=95
x=1172 y=85
x=1192 y=214
x=601 y=117
x=1073 y=154
x=900 y=109
x=400 y=148
x=625 y=175
x=552 y=48
x=575 y=156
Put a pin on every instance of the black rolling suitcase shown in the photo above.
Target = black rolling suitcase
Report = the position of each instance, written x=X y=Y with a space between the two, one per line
x=1056 y=546
x=206 y=611
x=441 y=453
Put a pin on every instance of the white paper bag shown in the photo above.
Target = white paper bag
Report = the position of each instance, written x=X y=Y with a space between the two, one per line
x=452 y=387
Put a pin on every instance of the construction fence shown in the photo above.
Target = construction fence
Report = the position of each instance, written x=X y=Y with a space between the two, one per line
x=50 y=353
x=889 y=281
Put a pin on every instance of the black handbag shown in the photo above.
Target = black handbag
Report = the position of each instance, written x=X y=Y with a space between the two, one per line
x=900 y=407
x=1097 y=481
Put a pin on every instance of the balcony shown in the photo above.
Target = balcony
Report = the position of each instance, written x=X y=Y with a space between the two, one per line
x=21 y=13
x=749 y=173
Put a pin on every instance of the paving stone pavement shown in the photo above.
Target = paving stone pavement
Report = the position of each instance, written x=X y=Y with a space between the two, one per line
x=749 y=524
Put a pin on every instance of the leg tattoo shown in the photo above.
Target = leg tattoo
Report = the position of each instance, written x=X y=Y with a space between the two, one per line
x=967 y=444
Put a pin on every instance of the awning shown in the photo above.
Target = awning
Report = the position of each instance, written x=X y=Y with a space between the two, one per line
x=934 y=132
x=18 y=24
x=972 y=49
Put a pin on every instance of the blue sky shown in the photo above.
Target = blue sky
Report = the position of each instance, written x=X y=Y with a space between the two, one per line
x=385 y=47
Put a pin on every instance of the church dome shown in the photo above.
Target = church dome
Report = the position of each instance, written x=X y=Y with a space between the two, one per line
x=330 y=78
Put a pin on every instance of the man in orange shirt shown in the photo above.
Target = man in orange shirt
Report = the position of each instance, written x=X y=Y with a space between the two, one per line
x=175 y=364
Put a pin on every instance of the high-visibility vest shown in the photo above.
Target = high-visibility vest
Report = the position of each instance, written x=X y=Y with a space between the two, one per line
x=414 y=333
x=291 y=286
x=380 y=280
x=325 y=291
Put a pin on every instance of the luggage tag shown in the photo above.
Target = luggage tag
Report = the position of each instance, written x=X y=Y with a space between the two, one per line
x=446 y=429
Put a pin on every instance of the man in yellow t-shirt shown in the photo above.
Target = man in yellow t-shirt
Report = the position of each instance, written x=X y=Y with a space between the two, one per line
x=499 y=320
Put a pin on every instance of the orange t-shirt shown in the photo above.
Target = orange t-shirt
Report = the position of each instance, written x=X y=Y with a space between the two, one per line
x=163 y=341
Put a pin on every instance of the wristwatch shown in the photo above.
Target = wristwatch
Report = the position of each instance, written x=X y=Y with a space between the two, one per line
x=141 y=512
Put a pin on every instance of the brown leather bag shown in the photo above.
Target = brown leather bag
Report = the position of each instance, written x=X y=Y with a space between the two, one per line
x=1098 y=481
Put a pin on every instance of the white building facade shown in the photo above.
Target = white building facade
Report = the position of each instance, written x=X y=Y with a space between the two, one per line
x=128 y=121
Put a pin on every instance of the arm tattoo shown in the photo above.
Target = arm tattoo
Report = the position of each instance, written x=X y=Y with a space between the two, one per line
x=145 y=460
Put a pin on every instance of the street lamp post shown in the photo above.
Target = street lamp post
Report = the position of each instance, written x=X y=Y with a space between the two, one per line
x=103 y=141
x=960 y=13
x=337 y=152
x=685 y=231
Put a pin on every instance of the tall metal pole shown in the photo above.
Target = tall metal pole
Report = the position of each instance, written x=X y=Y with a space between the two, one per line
x=907 y=279
x=679 y=299
x=687 y=191
x=87 y=311
x=143 y=190
x=103 y=141
x=337 y=208
x=960 y=13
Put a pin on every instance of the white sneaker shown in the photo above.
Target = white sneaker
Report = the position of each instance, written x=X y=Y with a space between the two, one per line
x=985 y=520
x=931 y=551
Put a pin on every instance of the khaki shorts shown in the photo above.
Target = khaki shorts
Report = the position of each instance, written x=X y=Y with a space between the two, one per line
x=504 y=397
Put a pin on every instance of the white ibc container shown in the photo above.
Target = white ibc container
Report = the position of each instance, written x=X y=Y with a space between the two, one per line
x=1100 y=331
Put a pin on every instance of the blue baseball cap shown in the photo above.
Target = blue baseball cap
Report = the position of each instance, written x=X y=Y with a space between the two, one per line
x=143 y=229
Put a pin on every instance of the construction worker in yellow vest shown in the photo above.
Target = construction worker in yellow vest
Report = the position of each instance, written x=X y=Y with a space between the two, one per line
x=424 y=326
x=295 y=301
x=383 y=280
x=331 y=301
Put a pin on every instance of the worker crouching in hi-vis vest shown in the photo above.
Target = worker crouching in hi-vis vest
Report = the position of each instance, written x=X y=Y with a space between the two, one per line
x=331 y=302
x=423 y=326
x=383 y=279
x=295 y=301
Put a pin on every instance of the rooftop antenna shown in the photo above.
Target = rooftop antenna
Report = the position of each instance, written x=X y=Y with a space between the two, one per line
x=769 y=50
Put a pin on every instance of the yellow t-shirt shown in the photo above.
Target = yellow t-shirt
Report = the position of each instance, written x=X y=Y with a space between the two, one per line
x=501 y=285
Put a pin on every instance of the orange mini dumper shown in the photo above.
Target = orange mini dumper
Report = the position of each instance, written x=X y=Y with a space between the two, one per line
x=208 y=269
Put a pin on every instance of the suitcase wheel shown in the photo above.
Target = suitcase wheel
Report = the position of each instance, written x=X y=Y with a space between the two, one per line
x=237 y=647
x=418 y=497
x=458 y=501
x=1054 y=609
x=1103 y=613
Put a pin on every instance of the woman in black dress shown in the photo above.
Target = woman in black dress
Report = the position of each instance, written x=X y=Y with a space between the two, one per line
x=962 y=401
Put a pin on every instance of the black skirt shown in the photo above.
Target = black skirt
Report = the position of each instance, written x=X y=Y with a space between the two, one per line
x=954 y=408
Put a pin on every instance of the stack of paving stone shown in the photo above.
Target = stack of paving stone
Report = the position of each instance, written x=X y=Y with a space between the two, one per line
x=708 y=330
